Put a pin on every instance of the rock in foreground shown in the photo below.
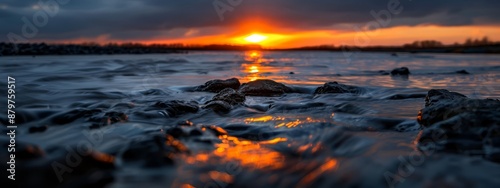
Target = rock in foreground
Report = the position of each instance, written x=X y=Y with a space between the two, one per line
x=335 y=87
x=267 y=88
x=400 y=71
x=218 y=85
x=457 y=124
x=225 y=100
x=175 y=108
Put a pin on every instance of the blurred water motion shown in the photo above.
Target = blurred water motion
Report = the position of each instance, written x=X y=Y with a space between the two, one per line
x=294 y=140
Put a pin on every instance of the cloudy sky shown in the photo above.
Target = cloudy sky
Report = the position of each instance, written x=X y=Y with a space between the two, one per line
x=286 y=23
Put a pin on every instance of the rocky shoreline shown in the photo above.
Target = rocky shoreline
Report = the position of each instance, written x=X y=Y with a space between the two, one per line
x=450 y=122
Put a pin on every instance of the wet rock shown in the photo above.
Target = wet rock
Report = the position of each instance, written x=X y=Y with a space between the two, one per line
x=455 y=123
x=218 y=85
x=230 y=96
x=400 y=71
x=219 y=106
x=335 y=87
x=176 y=108
x=155 y=151
x=115 y=117
x=36 y=129
x=185 y=123
x=153 y=92
x=94 y=168
x=462 y=72
x=107 y=119
x=441 y=95
x=184 y=131
x=225 y=100
x=405 y=96
x=266 y=88
x=218 y=131
x=23 y=150
x=383 y=72
x=176 y=132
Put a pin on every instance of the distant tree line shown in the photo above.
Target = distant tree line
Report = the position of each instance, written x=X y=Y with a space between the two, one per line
x=482 y=45
x=436 y=44
x=92 y=48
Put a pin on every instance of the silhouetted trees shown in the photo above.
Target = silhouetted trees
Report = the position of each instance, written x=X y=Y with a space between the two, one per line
x=436 y=44
x=424 y=44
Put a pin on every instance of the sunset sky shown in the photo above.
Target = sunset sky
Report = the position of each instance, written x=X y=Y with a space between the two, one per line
x=279 y=23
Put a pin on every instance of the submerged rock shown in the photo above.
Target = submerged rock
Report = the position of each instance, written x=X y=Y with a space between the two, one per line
x=383 y=72
x=35 y=129
x=267 y=88
x=462 y=72
x=176 y=108
x=225 y=100
x=219 y=85
x=154 y=151
x=335 y=87
x=400 y=71
x=107 y=119
x=457 y=124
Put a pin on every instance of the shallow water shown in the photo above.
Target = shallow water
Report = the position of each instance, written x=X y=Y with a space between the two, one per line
x=298 y=139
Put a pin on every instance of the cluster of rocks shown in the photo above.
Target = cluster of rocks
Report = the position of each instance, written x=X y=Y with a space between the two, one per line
x=268 y=88
x=454 y=123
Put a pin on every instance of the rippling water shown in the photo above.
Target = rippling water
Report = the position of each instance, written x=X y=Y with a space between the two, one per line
x=302 y=140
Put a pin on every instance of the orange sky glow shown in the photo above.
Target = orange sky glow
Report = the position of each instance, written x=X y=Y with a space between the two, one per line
x=280 y=38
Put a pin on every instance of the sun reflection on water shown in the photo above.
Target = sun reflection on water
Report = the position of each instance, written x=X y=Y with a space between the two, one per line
x=282 y=121
x=257 y=66
x=251 y=154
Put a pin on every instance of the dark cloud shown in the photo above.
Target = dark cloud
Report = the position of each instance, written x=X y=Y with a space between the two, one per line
x=135 y=20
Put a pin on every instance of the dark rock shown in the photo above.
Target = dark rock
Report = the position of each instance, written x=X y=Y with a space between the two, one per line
x=440 y=95
x=335 y=87
x=176 y=132
x=107 y=119
x=457 y=124
x=219 y=106
x=176 y=108
x=185 y=123
x=219 y=85
x=184 y=131
x=291 y=73
x=266 y=88
x=462 y=72
x=225 y=100
x=218 y=131
x=400 y=71
x=230 y=96
x=36 y=129
x=406 y=96
x=383 y=72
x=115 y=117
x=154 y=151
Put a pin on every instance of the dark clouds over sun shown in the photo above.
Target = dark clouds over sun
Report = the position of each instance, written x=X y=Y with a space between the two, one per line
x=290 y=20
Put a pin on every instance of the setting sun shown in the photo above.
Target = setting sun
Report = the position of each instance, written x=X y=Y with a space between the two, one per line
x=255 y=38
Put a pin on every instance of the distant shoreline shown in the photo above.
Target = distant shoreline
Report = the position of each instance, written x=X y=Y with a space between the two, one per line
x=40 y=49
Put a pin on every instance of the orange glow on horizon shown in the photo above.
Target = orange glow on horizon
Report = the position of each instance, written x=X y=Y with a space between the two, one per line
x=269 y=37
x=255 y=38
